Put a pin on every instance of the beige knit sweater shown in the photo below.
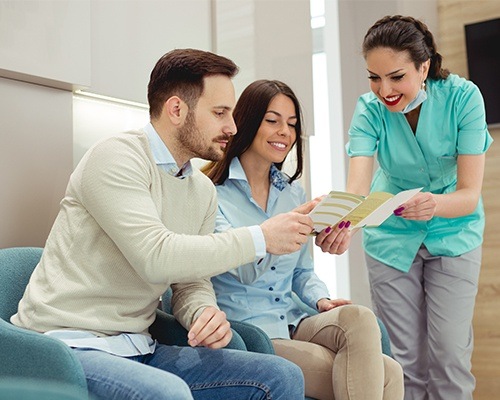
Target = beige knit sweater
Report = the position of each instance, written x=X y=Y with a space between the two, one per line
x=125 y=231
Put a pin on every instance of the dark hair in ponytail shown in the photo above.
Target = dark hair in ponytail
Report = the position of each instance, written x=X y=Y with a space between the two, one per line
x=406 y=34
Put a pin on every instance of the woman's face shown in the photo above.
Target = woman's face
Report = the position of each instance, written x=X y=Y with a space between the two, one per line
x=393 y=77
x=276 y=134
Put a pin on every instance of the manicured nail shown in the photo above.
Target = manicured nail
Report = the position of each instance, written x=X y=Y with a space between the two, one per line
x=397 y=213
x=341 y=225
x=347 y=224
x=399 y=209
x=328 y=230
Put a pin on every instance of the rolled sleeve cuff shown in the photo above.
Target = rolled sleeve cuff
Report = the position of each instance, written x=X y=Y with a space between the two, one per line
x=258 y=241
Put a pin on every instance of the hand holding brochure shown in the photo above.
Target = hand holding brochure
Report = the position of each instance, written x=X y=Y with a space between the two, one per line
x=361 y=211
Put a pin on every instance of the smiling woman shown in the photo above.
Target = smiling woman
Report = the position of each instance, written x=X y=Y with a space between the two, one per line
x=395 y=80
x=342 y=340
x=428 y=129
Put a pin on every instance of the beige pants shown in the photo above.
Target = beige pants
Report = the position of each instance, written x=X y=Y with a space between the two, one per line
x=339 y=352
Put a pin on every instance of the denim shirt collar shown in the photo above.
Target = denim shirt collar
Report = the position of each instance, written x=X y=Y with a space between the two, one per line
x=276 y=177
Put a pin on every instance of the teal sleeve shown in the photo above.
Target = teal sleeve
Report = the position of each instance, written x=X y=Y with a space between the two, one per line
x=473 y=135
x=363 y=132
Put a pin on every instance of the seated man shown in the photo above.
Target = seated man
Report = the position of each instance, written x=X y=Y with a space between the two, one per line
x=137 y=218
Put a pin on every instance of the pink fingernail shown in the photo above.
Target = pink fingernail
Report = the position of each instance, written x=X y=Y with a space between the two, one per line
x=341 y=225
x=347 y=224
x=328 y=230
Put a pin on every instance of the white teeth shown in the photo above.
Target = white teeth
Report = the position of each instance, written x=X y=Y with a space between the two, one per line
x=276 y=144
x=393 y=98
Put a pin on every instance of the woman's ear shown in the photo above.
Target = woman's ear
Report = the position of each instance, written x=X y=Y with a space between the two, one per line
x=425 y=68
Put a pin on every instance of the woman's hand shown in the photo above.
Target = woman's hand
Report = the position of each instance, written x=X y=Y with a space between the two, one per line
x=421 y=207
x=334 y=241
x=327 y=304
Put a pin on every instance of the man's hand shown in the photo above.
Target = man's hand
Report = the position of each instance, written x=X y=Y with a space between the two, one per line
x=211 y=329
x=327 y=304
x=334 y=241
x=286 y=233
x=308 y=206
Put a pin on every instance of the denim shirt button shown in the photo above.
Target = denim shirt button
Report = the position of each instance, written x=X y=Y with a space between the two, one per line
x=282 y=317
x=271 y=289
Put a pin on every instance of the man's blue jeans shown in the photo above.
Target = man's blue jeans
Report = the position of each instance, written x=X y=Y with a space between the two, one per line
x=182 y=373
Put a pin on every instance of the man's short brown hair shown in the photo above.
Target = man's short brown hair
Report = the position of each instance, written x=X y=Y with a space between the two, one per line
x=181 y=72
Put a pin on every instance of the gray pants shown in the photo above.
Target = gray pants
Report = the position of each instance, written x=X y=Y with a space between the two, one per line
x=428 y=313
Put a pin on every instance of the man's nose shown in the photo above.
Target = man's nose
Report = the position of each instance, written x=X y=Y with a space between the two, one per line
x=231 y=128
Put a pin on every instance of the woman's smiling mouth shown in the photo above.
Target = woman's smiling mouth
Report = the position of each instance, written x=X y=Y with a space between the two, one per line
x=393 y=100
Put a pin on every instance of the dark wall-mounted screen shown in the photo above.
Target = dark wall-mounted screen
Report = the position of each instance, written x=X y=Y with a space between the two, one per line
x=483 y=59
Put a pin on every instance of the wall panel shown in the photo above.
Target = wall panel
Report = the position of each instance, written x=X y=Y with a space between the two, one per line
x=453 y=15
x=46 y=42
x=36 y=141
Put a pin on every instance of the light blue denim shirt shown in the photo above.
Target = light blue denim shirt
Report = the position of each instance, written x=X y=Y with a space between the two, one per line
x=260 y=292
x=451 y=122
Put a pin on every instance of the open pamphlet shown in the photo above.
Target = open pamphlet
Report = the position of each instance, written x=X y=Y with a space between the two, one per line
x=361 y=211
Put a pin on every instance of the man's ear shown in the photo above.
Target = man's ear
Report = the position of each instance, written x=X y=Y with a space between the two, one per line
x=175 y=109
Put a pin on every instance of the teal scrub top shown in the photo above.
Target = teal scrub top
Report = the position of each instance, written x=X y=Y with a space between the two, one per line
x=451 y=122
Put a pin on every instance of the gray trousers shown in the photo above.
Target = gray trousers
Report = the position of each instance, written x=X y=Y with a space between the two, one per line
x=428 y=314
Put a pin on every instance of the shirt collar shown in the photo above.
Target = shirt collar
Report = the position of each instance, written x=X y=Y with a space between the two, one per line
x=276 y=177
x=163 y=157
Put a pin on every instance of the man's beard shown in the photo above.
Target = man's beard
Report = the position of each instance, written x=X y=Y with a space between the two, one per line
x=193 y=141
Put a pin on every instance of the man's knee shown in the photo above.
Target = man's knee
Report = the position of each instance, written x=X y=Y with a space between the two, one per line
x=287 y=367
x=290 y=374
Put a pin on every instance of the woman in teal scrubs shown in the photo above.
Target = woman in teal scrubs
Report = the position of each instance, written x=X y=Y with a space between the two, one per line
x=428 y=129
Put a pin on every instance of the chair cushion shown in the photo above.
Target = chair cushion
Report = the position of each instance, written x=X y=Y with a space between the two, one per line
x=16 y=266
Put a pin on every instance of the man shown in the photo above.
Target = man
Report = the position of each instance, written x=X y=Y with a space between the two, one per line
x=137 y=218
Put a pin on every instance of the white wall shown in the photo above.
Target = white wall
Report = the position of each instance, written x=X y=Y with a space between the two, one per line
x=46 y=42
x=129 y=36
x=35 y=160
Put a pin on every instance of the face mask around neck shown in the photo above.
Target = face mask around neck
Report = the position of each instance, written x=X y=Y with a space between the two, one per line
x=419 y=99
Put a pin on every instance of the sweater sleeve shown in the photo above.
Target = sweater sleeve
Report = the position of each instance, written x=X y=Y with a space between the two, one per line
x=114 y=187
x=188 y=299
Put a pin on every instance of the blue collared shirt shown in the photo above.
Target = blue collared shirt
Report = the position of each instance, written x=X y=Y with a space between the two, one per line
x=260 y=292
